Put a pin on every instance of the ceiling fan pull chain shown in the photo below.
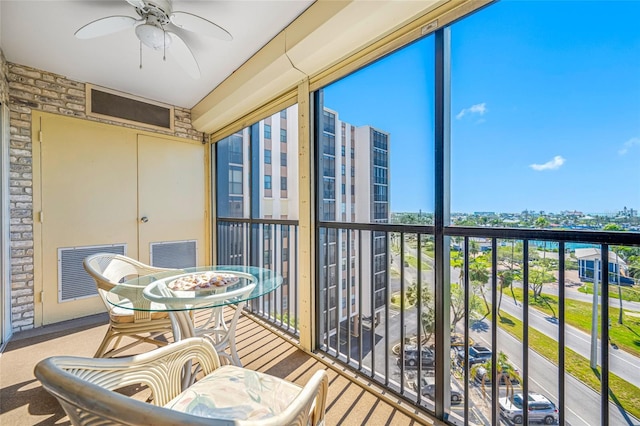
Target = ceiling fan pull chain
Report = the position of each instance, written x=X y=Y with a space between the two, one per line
x=164 y=44
x=140 y=55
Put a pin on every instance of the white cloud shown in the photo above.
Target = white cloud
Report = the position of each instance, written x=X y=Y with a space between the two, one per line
x=473 y=109
x=628 y=145
x=553 y=164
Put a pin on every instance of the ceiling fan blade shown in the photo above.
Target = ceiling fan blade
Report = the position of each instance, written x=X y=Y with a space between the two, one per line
x=194 y=23
x=104 y=26
x=184 y=56
x=136 y=3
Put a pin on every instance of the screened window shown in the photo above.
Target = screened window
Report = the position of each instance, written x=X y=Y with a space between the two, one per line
x=235 y=181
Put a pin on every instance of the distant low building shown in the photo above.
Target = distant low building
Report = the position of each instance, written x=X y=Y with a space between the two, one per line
x=589 y=266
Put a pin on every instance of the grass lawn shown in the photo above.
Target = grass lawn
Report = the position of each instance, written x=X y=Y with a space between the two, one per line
x=412 y=261
x=628 y=293
x=626 y=394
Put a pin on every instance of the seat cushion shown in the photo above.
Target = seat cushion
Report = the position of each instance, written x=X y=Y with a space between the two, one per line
x=237 y=393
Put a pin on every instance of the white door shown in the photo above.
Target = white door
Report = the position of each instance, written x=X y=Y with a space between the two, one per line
x=171 y=197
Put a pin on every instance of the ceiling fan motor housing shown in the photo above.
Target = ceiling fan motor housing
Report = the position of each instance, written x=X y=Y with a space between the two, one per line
x=159 y=9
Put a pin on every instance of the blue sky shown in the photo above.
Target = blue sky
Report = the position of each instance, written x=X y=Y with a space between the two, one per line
x=545 y=109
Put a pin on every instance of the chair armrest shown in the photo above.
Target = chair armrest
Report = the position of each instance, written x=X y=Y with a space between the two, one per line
x=160 y=369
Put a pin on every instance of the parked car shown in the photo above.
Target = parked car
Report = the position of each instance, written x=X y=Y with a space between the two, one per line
x=429 y=390
x=540 y=409
x=477 y=355
x=411 y=357
x=483 y=375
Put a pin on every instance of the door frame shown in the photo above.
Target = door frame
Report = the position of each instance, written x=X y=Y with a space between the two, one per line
x=5 y=243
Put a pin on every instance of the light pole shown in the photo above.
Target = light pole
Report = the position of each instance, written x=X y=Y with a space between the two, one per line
x=594 y=317
x=619 y=289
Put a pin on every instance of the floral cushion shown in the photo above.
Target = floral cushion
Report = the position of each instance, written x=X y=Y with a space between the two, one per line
x=236 y=393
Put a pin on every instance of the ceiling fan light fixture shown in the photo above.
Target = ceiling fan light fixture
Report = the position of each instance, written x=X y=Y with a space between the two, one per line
x=153 y=36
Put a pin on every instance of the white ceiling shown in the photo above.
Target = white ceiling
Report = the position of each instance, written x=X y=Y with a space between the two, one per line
x=39 y=34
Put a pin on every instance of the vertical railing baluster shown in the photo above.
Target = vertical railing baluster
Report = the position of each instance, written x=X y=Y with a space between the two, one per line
x=495 y=414
x=604 y=334
x=467 y=295
x=419 y=309
x=387 y=300
x=525 y=331
x=361 y=340
x=348 y=282
x=373 y=296
x=403 y=330
x=561 y=329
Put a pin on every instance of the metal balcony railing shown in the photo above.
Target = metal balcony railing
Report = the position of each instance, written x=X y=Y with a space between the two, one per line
x=381 y=298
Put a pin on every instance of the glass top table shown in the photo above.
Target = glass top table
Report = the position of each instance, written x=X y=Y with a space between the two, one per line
x=181 y=291
x=156 y=289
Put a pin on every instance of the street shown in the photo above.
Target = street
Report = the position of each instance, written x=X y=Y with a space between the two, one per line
x=582 y=404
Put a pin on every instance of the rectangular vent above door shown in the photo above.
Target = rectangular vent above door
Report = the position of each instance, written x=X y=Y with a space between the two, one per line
x=174 y=254
x=73 y=281
x=109 y=104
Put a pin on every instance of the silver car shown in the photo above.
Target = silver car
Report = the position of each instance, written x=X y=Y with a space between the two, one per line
x=540 y=409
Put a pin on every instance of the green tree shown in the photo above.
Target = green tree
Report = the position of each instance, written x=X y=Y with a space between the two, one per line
x=457 y=306
x=479 y=277
x=474 y=248
x=540 y=274
x=505 y=374
x=507 y=256
x=505 y=280
x=427 y=317
x=612 y=227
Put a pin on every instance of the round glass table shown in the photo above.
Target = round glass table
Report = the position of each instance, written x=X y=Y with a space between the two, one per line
x=183 y=291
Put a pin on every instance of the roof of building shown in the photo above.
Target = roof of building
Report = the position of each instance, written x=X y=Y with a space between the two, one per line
x=594 y=253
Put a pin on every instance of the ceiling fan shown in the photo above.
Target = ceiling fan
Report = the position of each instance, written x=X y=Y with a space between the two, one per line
x=157 y=27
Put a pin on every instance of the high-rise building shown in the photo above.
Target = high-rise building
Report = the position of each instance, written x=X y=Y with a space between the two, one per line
x=260 y=165
x=354 y=175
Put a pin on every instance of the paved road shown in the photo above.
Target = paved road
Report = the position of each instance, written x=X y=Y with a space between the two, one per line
x=582 y=404
x=621 y=363
x=572 y=292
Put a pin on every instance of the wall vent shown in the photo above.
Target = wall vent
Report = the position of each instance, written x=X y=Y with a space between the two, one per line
x=122 y=107
x=174 y=254
x=73 y=281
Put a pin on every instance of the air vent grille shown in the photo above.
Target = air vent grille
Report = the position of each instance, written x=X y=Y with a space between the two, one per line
x=174 y=254
x=73 y=281
x=105 y=103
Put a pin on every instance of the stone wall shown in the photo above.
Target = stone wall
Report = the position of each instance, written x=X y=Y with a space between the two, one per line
x=4 y=89
x=32 y=89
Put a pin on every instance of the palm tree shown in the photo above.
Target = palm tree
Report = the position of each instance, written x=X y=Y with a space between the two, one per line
x=505 y=374
x=474 y=248
x=505 y=279
x=427 y=320
x=479 y=277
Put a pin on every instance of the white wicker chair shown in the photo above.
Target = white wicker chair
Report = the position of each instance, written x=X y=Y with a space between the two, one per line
x=108 y=270
x=85 y=387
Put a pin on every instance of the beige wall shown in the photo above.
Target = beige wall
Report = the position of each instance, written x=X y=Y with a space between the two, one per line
x=28 y=89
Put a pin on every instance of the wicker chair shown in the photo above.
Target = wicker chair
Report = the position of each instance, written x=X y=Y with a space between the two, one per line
x=227 y=395
x=108 y=270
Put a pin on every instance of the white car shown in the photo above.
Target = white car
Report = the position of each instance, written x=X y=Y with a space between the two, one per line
x=540 y=409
